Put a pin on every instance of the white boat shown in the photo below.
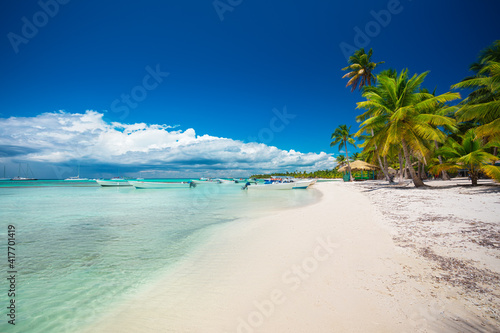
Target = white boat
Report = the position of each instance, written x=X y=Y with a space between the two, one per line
x=270 y=187
x=302 y=184
x=27 y=173
x=113 y=182
x=143 y=184
x=205 y=181
x=77 y=178
x=224 y=181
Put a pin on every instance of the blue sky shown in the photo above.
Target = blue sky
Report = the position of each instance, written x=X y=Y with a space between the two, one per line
x=236 y=71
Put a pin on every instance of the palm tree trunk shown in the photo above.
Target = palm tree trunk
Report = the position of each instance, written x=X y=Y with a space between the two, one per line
x=401 y=170
x=421 y=171
x=386 y=168
x=473 y=178
x=348 y=164
x=416 y=180
x=473 y=173
x=382 y=167
x=444 y=174
x=386 y=174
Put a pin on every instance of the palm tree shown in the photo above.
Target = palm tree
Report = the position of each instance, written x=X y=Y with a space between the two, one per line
x=342 y=136
x=397 y=109
x=340 y=160
x=491 y=53
x=483 y=104
x=356 y=156
x=373 y=150
x=360 y=69
x=444 y=110
x=471 y=154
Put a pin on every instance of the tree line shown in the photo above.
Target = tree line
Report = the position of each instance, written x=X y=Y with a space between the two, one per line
x=406 y=126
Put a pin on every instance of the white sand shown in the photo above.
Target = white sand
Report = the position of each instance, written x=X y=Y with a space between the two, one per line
x=329 y=267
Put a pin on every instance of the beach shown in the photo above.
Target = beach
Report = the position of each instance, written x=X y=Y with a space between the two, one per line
x=363 y=259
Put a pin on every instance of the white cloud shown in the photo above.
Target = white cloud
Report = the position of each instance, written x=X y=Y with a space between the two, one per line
x=61 y=137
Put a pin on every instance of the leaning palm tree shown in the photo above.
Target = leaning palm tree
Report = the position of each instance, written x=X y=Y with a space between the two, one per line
x=342 y=136
x=469 y=154
x=401 y=114
x=360 y=69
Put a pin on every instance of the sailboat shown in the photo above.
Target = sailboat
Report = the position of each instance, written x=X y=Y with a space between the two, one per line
x=4 y=175
x=77 y=177
x=27 y=173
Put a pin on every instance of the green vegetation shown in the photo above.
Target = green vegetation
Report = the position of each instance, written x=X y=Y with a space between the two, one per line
x=360 y=69
x=406 y=127
x=298 y=174
x=342 y=136
x=470 y=154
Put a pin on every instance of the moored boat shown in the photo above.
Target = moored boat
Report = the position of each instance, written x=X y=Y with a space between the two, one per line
x=76 y=178
x=224 y=181
x=27 y=173
x=269 y=187
x=206 y=181
x=303 y=184
x=155 y=185
x=113 y=182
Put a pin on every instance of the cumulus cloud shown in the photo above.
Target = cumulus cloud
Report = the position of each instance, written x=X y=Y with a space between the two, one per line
x=61 y=138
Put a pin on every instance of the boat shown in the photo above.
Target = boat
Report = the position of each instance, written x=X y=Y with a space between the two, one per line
x=269 y=187
x=206 y=181
x=152 y=185
x=302 y=184
x=77 y=178
x=27 y=173
x=224 y=181
x=113 y=182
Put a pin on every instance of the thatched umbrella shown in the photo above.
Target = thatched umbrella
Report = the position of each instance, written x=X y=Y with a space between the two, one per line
x=360 y=166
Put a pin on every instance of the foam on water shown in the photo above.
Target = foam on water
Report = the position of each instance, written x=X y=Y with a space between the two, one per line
x=82 y=250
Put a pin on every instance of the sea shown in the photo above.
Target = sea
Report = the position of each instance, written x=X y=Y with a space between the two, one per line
x=72 y=250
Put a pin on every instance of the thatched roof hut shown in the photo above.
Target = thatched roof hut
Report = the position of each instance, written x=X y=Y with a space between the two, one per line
x=359 y=166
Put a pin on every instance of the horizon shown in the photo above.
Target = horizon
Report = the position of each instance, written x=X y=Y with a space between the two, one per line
x=210 y=89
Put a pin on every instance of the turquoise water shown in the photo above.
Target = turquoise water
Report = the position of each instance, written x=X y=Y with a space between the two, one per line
x=82 y=249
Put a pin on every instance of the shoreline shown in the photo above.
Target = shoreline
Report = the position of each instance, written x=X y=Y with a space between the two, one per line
x=332 y=266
